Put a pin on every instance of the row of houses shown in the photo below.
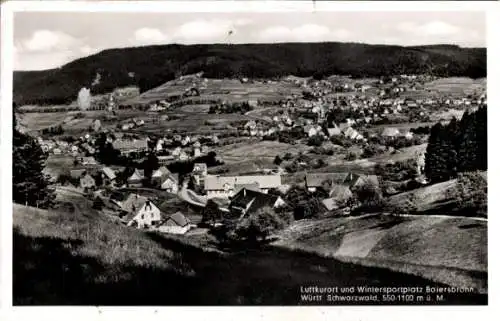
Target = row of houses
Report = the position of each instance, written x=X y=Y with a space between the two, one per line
x=340 y=186
x=142 y=212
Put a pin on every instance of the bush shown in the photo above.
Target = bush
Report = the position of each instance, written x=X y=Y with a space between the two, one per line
x=277 y=160
x=407 y=206
x=471 y=193
x=341 y=141
x=252 y=230
x=315 y=140
x=369 y=197
x=351 y=156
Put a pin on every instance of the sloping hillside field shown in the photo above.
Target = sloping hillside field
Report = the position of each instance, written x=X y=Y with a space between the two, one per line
x=73 y=256
x=443 y=249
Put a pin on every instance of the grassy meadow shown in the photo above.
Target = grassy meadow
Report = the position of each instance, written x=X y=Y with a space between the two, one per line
x=74 y=256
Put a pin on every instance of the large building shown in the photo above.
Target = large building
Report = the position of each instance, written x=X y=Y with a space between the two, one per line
x=227 y=186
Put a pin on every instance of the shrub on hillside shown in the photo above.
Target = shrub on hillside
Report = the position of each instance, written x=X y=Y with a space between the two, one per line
x=315 y=140
x=407 y=206
x=370 y=197
x=471 y=193
x=250 y=231
x=351 y=156
x=341 y=140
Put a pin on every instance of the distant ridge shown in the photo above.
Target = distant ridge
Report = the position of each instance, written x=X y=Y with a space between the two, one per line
x=150 y=66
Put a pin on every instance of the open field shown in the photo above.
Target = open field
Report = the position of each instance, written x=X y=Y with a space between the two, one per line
x=456 y=85
x=191 y=123
x=262 y=149
x=195 y=108
x=79 y=258
x=230 y=90
x=444 y=249
x=38 y=121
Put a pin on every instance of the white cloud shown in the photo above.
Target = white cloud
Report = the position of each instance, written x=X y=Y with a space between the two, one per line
x=201 y=31
x=304 y=33
x=44 y=60
x=438 y=28
x=433 y=28
x=341 y=34
x=88 y=50
x=276 y=33
x=149 y=36
x=243 y=22
x=47 y=40
x=311 y=32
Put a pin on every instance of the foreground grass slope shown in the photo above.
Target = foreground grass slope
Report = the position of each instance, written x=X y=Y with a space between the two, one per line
x=444 y=249
x=73 y=256
x=154 y=65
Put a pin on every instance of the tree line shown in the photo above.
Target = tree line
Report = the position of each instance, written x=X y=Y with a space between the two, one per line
x=30 y=186
x=459 y=146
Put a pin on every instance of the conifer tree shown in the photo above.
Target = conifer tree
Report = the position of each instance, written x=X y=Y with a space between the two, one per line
x=29 y=184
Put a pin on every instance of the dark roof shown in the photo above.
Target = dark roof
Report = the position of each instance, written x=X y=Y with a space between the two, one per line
x=346 y=179
x=253 y=200
x=77 y=173
x=178 y=219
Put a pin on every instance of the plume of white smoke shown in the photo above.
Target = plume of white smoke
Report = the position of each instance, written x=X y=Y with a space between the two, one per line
x=96 y=80
x=84 y=98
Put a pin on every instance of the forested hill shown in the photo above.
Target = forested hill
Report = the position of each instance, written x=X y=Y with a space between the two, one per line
x=151 y=66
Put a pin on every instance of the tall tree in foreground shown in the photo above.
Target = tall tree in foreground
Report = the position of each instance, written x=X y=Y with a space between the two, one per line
x=29 y=184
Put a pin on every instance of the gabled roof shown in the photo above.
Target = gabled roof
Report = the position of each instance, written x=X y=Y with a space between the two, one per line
x=178 y=219
x=199 y=168
x=160 y=172
x=253 y=187
x=133 y=203
x=138 y=174
x=171 y=176
x=76 y=173
x=390 y=131
x=334 y=131
x=264 y=181
x=130 y=144
x=316 y=179
x=329 y=203
x=109 y=173
x=340 y=192
x=251 y=200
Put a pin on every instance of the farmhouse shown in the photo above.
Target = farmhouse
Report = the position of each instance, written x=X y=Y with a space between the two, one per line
x=88 y=161
x=199 y=172
x=136 y=178
x=87 y=181
x=351 y=180
x=142 y=213
x=351 y=133
x=247 y=202
x=109 y=176
x=391 y=132
x=159 y=175
x=170 y=183
x=164 y=160
x=176 y=224
x=129 y=146
x=224 y=186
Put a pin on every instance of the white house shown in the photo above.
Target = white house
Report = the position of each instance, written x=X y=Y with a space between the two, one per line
x=147 y=216
x=170 y=184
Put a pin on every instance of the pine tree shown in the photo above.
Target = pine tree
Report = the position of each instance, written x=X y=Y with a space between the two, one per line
x=482 y=141
x=29 y=184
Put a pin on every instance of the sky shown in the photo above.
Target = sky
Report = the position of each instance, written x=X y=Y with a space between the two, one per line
x=44 y=40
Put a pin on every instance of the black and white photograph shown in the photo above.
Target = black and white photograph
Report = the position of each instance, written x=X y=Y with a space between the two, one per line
x=245 y=158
